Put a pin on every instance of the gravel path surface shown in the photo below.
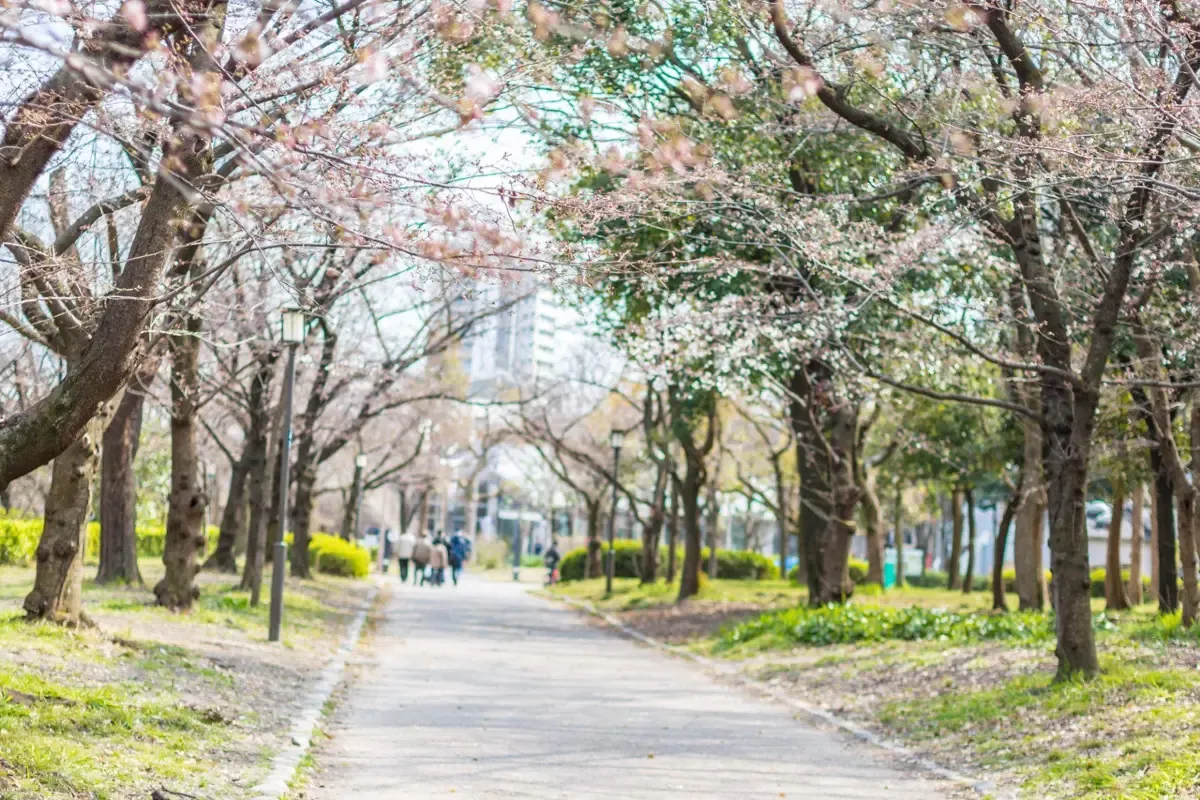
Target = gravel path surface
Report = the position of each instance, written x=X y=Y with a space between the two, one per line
x=483 y=691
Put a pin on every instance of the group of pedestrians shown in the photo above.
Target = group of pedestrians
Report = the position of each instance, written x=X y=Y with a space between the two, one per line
x=429 y=559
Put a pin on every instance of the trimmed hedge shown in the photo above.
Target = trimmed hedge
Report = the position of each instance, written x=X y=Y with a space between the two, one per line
x=935 y=579
x=151 y=539
x=1100 y=574
x=731 y=564
x=333 y=555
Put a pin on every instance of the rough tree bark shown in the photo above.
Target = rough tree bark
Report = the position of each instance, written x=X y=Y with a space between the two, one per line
x=1167 y=584
x=261 y=457
x=58 y=584
x=594 y=566
x=1027 y=545
x=185 y=536
x=652 y=530
x=873 y=523
x=224 y=558
x=835 y=584
x=118 y=490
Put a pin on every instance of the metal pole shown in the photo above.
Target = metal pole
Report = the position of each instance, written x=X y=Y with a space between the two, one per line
x=281 y=550
x=285 y=460
x=612 y=526
x=516 y=560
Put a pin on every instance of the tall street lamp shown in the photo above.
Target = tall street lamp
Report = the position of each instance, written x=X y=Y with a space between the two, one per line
x=291 y=334
x=616 y=439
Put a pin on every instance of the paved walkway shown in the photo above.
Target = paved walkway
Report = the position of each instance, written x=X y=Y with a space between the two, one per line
x=483 y=691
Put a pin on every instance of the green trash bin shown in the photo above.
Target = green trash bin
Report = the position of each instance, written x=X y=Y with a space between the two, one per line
x=889 y=574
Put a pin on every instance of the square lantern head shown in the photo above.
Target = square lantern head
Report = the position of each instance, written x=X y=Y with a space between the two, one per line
x=360 y=461
x=292 y=325
x=616 y=439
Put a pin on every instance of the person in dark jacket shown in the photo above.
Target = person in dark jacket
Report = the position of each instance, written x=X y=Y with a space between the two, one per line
x=459 y=551
x=551 y=558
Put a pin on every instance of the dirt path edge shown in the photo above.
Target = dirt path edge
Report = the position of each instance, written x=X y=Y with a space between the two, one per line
x=285 y=763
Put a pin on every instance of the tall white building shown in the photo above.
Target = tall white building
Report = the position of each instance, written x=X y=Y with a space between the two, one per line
x=532 y=340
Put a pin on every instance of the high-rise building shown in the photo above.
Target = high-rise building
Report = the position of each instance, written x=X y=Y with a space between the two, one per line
x=530 y=340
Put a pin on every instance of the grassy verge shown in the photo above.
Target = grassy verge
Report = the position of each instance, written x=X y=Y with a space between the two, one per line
x=193 y=703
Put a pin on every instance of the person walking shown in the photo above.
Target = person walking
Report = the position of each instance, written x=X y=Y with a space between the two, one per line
x=388 y=539
x=459 y=551
x=552 y=559
x=405 y=543
x=438 y=560
x=422 y=552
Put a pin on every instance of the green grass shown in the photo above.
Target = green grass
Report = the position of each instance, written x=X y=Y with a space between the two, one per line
x=65 y=732
x=1129 y=733
x=114 y=712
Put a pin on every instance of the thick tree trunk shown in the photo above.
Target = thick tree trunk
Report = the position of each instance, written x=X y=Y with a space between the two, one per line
x=349 y=527
x=652 y=531
x=673 y=531
x=260 y=457
x=185 y=539
x=969 y=580
x=1069 y=421
x=835 y=584
x=1027 y=544
x=1167 y=585
x=595 y=563
x=999 y=603
x=952 y=577
x=58 y=583
x=118 y=491
x=873 y=521
x=689 y=582
x=815 y=488
x=1114 y=587
x=224 y=558
x=898 y=528
x=301 y=519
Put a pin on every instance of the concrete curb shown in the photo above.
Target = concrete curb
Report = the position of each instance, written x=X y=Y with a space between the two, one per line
x=287 y=760
x=981 y=787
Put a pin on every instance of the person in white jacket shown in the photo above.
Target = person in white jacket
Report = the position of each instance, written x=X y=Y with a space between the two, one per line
x=404 y=551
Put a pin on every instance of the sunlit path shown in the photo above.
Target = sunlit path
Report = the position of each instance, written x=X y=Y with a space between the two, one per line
x=484 y=691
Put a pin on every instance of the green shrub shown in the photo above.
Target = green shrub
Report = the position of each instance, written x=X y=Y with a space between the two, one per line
x=936 y=579
x=528 y=560
x=151 y=539
x=19 y=539
x=731 y=564
x=1100 y=575
x=333 y=555
x=844 y=624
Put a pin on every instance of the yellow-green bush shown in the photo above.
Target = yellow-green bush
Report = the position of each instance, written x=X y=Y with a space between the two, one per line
x=151 y=538
x=333 y=555
x=18 y=539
